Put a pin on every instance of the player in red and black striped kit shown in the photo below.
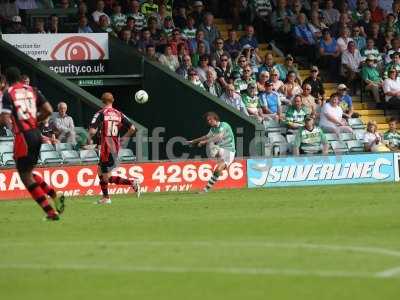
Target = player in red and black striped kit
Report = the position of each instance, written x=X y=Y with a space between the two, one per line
x=26 y=107
x=110 y=122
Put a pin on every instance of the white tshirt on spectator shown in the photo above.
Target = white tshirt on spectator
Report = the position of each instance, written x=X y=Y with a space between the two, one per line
x=369 y=138
x=342 y=43
x=97 y=14
x=328 y=109
x=352 y=60
x=390 y=85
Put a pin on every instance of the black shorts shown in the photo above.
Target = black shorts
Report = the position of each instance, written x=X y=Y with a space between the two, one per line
x=31 y=143
x=110 y=164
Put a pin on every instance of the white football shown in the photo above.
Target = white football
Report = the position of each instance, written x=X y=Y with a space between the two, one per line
x=141 y=96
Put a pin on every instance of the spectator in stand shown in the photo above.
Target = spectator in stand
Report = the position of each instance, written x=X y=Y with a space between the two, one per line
x=287 y=67
x=16 y=26
x=193 y=43
x=331 y=118
x=377 y=13
x=104 y=25
x=154 y=31
x=360 y=40
x=185 y=66
x=224 y=70
x=211 y=32
x=48 y=135
x=134 y=12
x=344 y=22
x=151 y=53
x=391 y=88
x=344 y=39
x=243 y=82
x=39 y=26
x=371 y=78
x=167 y=27
x=118 y=19
x=166 y=4
x=373 y=141
x=316 y=24
x=351 y=60
x=305 y=39
x=240 y=13
x=126 y=37
x=260 y=11
x=176 y=39
x=211 y=85
x=276 y=82
x=297 y=9
x=82 y=10
x=203 y=67
x=370 y=49
x=240 y=64
x=376 y=34
x=358 y=13
x=392 y=136
x=181 y=52
x=252 y=57
x=149 y=7
x=346 y=102
x=268 y=64
x=395 y=48
x=331 y=15
x=168 y=59
x=252 y=102
x=280 y=21
x=201 y=51
x=234 y=99
x=189 y=32
x=270 y=103
x=55 y=26
x=394 y=64
x=310 y=139
x=198 y=14
x=194 y=79
x=329 y=53
x=365 y=22
x=64 y=125
x=231 y=45
x=145 y=40
x=317 y=87
x=180 y=19
x=83 y=26
x=296 y=114
x=99 y=12
x=217 y=52
x=161 y=16
x=308 y=99
x=291 y=87
x=389 y=24
x=386 y=45
x=249 y=38
x=263 y=80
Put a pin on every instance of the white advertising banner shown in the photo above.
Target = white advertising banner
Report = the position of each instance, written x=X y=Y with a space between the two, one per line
x=62 y=46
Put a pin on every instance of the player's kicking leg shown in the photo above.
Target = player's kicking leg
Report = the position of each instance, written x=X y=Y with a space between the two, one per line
x=59 y=201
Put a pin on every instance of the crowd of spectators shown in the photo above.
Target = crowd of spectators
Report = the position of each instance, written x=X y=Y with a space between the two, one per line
x=355 y=43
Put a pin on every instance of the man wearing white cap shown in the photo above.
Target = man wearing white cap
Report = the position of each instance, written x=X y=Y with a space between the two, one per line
x=16 y=26
x=197 y=13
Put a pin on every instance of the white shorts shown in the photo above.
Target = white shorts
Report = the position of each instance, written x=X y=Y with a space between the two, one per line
x=226 y=156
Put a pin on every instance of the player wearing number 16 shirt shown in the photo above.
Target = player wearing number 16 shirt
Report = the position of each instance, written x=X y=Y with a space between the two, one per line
x=110 y=122
x=26 y=107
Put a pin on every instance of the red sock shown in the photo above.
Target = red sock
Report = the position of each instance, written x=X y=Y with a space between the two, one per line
x=120 y=180
x=40 y=197
x=48 y=189
x=104 y=186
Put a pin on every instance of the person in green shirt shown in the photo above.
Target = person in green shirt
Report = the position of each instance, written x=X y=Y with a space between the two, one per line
x=295 y=114
x=221 y=142
x=242 y=83
x=310 y=139
x=149 y=7
x=252 y=102
x=371 y=77
x=394 y=64
x=392 y=135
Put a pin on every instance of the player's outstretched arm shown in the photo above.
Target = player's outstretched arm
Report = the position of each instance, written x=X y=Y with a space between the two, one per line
x=125 y=138
x=199 y=141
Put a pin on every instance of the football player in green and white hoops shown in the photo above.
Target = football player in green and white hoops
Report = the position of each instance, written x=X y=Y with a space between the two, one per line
x=222 y=142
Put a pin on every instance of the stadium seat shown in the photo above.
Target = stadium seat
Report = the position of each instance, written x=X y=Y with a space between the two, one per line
x=64 y=146
x=88 y=156
x=50 y=157
x=339 y=147
x=70 y=157
x=6 y=147
x=359 y=134
x=355 y=146
x=278 y=140
x=346 y=137
x=8 y=159
x=272 y=126
x=331 y=137
x=126 y=155
x=4 y=139
x=46 y=147
x=311 y=149
x=356 y=123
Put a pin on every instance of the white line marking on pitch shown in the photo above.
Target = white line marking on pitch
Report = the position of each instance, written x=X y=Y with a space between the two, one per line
x=389 y=273
x=246 y=244
x=173 y=269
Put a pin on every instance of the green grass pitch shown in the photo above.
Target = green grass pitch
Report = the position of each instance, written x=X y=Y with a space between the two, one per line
x=340 y=242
